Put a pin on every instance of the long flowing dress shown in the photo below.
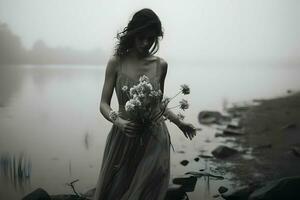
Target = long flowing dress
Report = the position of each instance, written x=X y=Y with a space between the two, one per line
x=135 y=168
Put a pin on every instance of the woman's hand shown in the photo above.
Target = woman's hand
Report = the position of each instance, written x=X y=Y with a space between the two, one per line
x=129 y=128
x=188 y=130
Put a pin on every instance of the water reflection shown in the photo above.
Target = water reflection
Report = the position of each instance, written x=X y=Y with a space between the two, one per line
x=16 y=170
x=11 y=79
x=86 y=140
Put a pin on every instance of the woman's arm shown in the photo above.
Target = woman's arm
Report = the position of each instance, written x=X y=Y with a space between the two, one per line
x=108 y=87
x=188 y=129
x=128 y=127
x=168 y=113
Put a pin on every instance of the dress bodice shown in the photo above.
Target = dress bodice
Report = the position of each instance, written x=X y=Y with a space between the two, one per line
x=123 y=79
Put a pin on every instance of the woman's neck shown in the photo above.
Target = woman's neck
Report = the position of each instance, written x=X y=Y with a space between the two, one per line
x=137 y=56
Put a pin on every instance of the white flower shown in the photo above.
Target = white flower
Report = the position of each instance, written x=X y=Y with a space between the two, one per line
x=183 y=104
x=144 y=78
x=135 y=96
x=135 y=102
x=147 y=86
x=139 y=88
x=129 y=106
x=185 y=89
x=125 y=88
x=133 y=91
x=141 y=95
x=153 y=94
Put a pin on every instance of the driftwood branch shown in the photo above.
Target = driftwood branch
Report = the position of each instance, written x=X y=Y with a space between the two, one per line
x=73 y=188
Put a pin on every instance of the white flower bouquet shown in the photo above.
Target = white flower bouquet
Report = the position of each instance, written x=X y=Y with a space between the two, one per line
x=146 y=104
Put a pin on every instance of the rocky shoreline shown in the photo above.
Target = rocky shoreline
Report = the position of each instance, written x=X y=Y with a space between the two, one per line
x=272 y=137
x=265 y=161
x=267 y=134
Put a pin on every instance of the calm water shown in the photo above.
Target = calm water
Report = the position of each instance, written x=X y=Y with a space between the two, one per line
x=51 y=124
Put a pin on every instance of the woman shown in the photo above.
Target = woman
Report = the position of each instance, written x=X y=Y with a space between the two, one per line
x=136 y=160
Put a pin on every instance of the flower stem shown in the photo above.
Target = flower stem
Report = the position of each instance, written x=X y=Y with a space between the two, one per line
x=128 y=95
x=175 y=95
x=174 y=107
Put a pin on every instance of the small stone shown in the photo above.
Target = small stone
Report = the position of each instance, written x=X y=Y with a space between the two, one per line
x=289 y=126
x=205 y=156
x=219 y=135
x=37 y=194
x=188 y=182
x=196 y=159
x=184 y=162
x=222 y=189
x=223 y=152
x=264 y=146
x=296 y=151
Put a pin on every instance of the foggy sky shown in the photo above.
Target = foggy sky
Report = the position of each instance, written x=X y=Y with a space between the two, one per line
x=262 y=30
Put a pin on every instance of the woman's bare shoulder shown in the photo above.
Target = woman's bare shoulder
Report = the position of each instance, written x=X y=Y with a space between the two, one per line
x=163 y=63
x=114 y=60
x=113 y=63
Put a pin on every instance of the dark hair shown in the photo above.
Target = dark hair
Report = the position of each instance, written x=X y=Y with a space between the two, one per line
x=142 y=21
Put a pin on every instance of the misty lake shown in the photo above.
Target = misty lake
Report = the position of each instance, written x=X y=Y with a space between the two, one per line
x=50 y=120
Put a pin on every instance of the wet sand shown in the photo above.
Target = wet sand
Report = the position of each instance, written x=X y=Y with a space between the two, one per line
x=270 y=146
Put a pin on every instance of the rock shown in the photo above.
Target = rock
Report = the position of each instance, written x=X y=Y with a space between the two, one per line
x=219 y=135
x=207 y=140
x=184 y=162
x=289 y=126
x=196 y=159
x=238 y=109
x=38 y=194
x=233 y=131
x=209 y=117
x=188 y=182
x=205 y=156
x=235 y=123
x=241 y=193
x=230 y=132
x=285 y=188
x=212 y=117
x=222 y=189
x=296 y=151
x=176 y=192
x=223 y=152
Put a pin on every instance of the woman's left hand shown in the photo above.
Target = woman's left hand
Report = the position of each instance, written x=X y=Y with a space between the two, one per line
x=188 y=130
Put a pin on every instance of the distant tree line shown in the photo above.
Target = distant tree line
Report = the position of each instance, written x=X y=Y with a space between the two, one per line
x=13 y=52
